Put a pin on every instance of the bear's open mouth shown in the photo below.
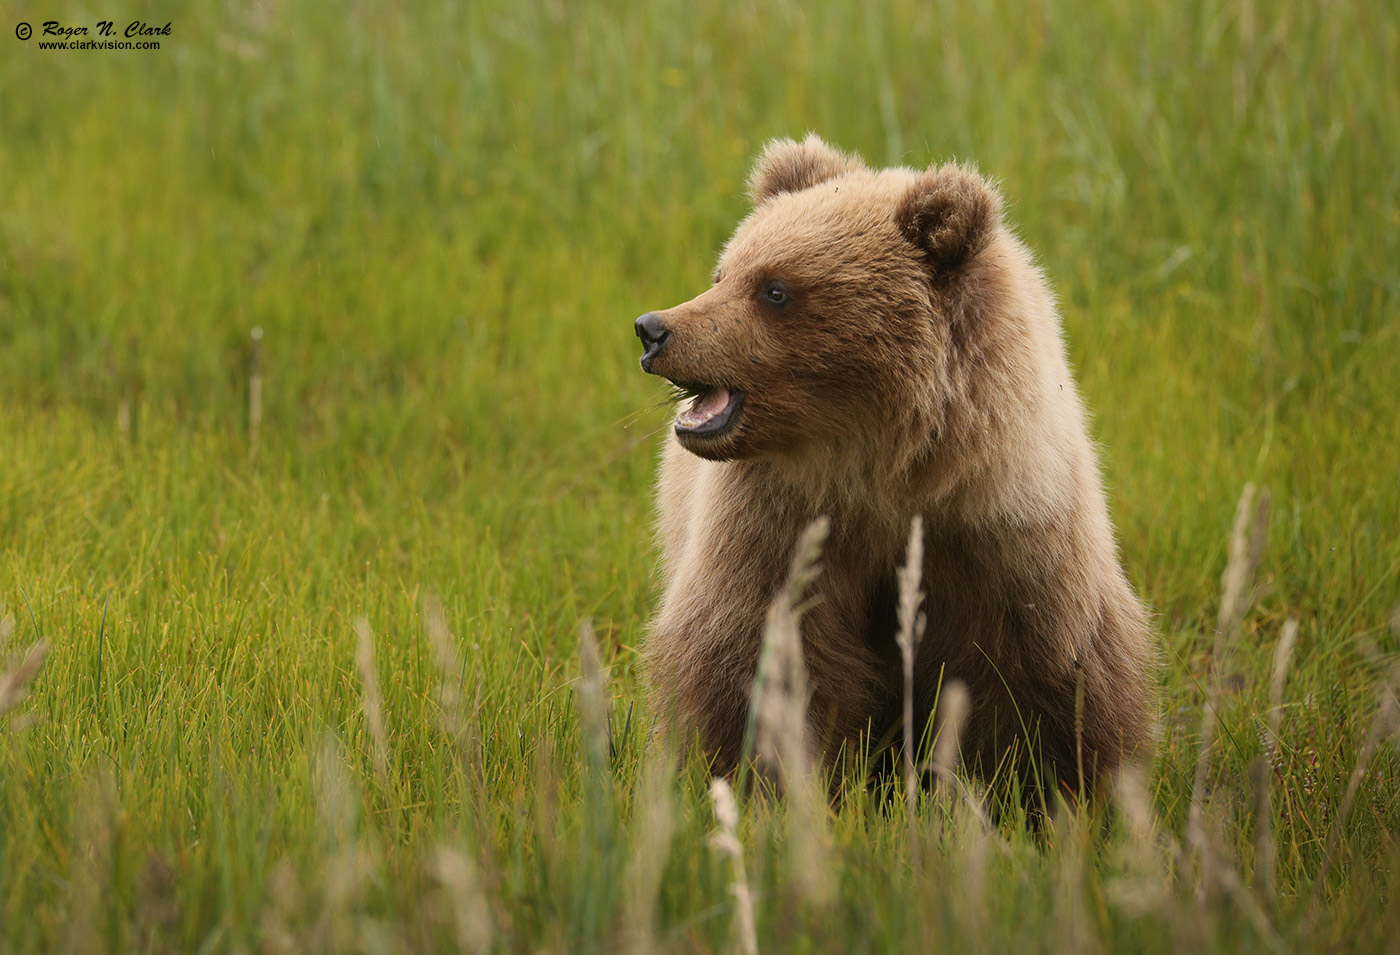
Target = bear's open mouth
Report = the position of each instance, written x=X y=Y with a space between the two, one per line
x=712 y=410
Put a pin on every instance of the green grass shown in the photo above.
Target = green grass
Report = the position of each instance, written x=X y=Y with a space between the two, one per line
x=444 y=220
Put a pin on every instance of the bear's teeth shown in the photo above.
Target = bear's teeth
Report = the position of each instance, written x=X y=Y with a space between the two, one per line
x=705 y=407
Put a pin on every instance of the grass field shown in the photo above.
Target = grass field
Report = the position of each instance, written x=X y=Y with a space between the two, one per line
x=443 y=220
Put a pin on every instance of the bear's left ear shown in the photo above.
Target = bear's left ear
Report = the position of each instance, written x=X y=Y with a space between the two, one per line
x=950 y=213
x=788 y=166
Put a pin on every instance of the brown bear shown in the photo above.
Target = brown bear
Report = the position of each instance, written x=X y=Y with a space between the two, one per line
x=878 y=344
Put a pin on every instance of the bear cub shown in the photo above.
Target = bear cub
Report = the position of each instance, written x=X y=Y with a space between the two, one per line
x=877 y=344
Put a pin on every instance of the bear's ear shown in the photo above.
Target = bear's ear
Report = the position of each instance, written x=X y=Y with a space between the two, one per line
x=788 y=166
x=950 y=212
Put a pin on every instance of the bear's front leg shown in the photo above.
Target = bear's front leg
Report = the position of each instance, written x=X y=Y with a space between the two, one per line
x=707 y=639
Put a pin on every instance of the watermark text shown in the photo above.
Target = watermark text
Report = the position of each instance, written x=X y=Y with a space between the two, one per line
x=102 y=35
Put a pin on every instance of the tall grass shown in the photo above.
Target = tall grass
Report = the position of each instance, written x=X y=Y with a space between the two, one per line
x=443 y=219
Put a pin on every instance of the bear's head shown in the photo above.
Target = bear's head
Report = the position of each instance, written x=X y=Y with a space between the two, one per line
x=836 y=307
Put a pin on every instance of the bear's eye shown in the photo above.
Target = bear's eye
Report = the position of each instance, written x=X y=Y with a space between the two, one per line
x=775 y=293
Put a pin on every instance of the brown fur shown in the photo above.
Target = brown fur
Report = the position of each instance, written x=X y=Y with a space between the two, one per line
x=917 y=368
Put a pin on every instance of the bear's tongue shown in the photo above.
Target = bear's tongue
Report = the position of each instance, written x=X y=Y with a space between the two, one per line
x=704 y=408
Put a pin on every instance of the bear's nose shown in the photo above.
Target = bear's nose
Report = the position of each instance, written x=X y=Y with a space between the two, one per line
x=652 y=330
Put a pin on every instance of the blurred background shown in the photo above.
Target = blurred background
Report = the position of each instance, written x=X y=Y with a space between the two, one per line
x=444 y=218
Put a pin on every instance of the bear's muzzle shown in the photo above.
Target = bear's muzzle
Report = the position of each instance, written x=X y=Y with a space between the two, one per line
x=652 y=330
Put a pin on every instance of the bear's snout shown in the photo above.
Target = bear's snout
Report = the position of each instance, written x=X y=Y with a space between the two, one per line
x=652 y=330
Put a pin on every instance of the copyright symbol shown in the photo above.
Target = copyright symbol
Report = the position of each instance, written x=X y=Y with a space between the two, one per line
x=24 y=31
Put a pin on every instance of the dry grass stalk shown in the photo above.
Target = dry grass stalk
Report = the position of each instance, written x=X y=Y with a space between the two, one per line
x=129 y=386
x=449 y=665
x=654 y=815
x=1266 y=849
x=954 y=706
x=726 y=841
x=1248 y=536
x=974 y=888
x=1216 y=875
x=1381 y=725
x=462 y=895
x=346 y=866
x=782 y=741
x=337 y=810
x=463 y=728
x=278 y=918
x=1143 y=887
x=954 y=703
x=780 y=695
x=460 y=878
x=90 y=878
x=911 y=631
x=1072 y=923
x=1196 y=836
x=255 y=388
x=1153 y=856
x=14 y=685
x=373 y=701
x=1283 y=654
x=591 y=687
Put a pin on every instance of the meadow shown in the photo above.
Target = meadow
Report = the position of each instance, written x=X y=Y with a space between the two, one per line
x=322 y=436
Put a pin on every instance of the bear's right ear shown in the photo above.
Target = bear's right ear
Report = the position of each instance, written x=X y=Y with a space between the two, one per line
x=950 y=213
x=788 y=166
